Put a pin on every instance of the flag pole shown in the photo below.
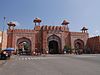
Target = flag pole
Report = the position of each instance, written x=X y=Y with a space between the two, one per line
x=3 y=33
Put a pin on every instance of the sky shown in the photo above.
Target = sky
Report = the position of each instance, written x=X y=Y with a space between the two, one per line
x=79 y=13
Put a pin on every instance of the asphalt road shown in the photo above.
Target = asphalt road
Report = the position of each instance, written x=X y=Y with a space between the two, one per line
x=52 y=65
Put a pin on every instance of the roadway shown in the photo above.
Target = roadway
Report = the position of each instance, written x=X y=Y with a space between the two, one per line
x=52 y=65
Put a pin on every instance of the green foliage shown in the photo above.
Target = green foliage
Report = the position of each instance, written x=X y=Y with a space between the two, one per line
x=26 y=46
x=66 y=48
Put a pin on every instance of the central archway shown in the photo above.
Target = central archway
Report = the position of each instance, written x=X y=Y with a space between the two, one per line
x=54 y=44
x=53 y=47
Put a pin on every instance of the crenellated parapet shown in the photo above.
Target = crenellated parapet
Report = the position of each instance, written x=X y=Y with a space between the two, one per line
x=23 y=31
x=77 y=33
x=49 y=28
x=97 y=37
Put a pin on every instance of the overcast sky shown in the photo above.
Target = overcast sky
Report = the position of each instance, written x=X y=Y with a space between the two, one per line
x=52 y=12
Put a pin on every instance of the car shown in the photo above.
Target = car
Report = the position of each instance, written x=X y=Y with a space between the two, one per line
x=3 y=55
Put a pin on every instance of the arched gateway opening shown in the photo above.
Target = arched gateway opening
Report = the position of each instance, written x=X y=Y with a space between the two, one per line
x=79 y=44
x=54 y=44
x=53 y=47
x=24 y=46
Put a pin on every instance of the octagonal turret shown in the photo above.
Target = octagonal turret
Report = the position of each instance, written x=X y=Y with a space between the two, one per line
x=65 y=22
x=37 y=21
x=11 y=25
x=84 y=29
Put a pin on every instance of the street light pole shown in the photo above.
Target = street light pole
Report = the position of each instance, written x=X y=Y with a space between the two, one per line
x=3 y=34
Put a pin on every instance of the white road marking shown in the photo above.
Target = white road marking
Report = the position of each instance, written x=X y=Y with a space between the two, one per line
x=33 y=58
x=28 y=58
x=25 y=58
x=22 y=59
x=84 y=56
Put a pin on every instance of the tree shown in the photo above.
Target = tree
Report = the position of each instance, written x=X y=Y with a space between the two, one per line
x=67 y=48
x=26 y=46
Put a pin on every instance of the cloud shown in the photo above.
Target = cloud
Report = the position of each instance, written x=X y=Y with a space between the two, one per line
x=95 y=33
x=17 y=23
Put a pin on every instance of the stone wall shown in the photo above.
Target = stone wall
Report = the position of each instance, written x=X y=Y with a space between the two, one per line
x=94 y=44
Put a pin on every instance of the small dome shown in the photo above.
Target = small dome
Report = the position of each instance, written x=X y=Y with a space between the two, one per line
x=11 y=24
x=65 y=22
x=84 y=28
x=38 y=20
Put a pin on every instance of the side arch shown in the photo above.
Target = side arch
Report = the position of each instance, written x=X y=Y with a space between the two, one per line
x=78 y=44
x=24 y=46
